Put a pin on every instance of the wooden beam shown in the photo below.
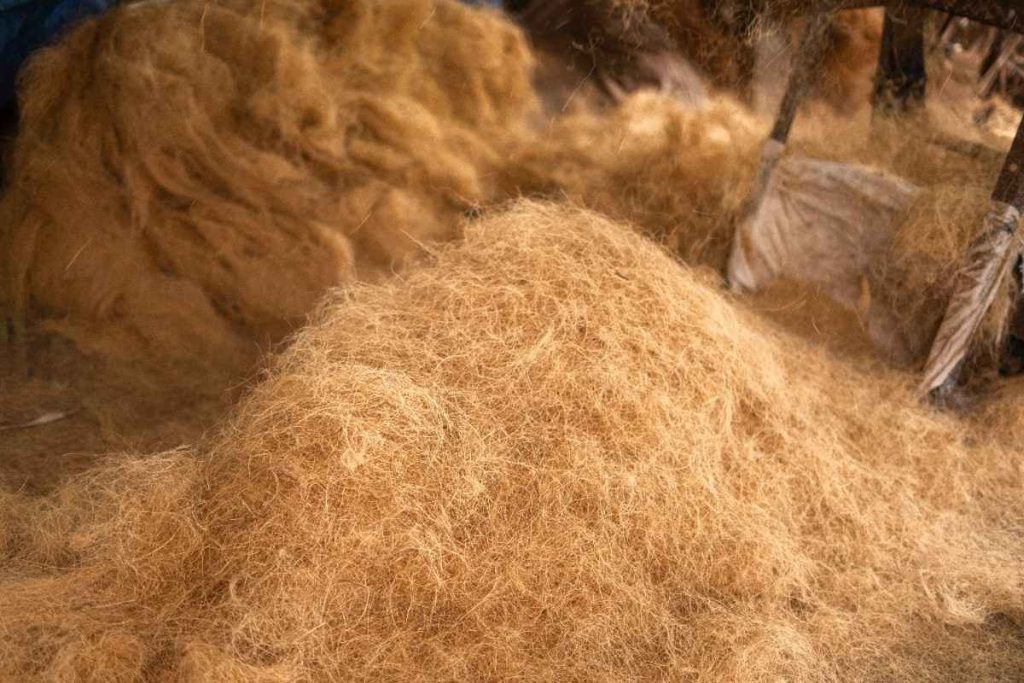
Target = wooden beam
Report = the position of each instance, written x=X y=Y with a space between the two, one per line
x=901 y=77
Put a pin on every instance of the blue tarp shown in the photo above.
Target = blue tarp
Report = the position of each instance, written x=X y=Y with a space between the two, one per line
x=27 y=25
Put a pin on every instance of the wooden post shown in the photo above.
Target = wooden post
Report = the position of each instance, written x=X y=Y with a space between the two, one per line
x=989 y=259
x=812 y=48
x=901 y=77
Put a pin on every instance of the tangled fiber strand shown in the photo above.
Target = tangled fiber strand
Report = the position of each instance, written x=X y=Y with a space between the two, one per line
x=913 y=278
x=191 y=177
x=554 y=453
x=720 y=39
x=678 y=174
x=582 y=43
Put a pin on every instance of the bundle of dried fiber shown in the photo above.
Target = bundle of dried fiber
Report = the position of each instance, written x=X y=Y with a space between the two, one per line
x=720 y=38
x=190 y=178
x=913 y=277
x=617 y=49
x=555 y=453
x=716 y=41
x=680 y=175
x=676 y=173
x=849 y=66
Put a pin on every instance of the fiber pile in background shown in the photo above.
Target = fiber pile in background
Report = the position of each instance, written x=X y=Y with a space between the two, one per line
x=676 y=173
x=550 y=451
x=680 y=174
x=555 y=453
x=723 y=39
x=191 y=177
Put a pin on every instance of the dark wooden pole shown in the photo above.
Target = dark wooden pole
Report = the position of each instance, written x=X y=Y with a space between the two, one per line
x=901 y=77
x=990 y=258
x=812 y=48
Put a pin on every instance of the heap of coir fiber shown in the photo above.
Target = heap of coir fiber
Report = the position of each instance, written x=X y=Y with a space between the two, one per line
x=680 y=174
x=725 y=38
x=555 y=453
x=189 y=178
x=676 y=173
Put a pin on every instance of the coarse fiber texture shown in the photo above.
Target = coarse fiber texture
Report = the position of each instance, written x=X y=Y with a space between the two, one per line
x=680 y=175
x=556 y=453
x=583 y=42
x=719 y=37
x=190 y=177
